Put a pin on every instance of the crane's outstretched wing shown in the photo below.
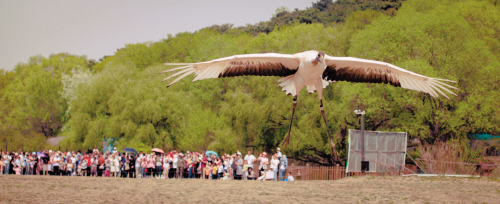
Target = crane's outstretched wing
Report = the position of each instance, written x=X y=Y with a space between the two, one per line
x=361 y=70
x=267 y=64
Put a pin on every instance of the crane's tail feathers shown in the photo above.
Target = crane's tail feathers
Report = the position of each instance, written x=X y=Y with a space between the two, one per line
x=288 y=85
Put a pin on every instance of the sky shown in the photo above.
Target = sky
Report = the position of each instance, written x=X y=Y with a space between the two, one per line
x=98 y=28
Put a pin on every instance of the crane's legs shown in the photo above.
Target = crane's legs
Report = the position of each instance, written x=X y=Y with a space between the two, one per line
x=287 y=138
x=334 y=151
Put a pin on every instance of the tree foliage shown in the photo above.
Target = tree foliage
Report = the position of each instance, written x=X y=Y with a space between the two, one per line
x=122 y=96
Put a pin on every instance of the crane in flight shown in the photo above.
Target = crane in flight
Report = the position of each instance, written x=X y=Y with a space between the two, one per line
x=312 y=69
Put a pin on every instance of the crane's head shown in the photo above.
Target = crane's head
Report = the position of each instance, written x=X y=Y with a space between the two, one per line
x=320 y=58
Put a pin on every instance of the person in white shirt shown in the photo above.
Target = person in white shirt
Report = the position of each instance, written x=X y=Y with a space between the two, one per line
x=226 y=164
x=230 y=161
x=17 y=161
x=55 y=164
x=264 y=161
x=176 y=158
x=23 y=164
x=274 y=166
x=249 y=158
x=166 y=166
x=117 y=167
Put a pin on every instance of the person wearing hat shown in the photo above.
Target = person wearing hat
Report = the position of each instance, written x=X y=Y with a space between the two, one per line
x=114 y=150
x=264 y=161
x=278 y=152
x=96 y=150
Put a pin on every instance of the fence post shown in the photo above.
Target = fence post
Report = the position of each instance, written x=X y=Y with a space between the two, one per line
x=330 y=173
x=337 y=171
x=306 y=172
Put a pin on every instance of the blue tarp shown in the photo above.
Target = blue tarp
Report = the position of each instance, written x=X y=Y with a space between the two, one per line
x=108 y=144
x=482 y=136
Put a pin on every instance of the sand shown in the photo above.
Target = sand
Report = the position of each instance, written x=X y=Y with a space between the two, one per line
x=45 y=189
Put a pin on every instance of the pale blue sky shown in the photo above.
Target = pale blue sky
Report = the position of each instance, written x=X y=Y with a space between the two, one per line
x=97 y=28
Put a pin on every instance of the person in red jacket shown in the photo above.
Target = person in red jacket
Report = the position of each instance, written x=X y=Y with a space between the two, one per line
x=85 y=157
x=99 y=164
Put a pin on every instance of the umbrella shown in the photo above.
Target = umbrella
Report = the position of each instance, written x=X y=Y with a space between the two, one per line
x=208 y=153
x=40 y=154
x=158 y=150
x=129 y=150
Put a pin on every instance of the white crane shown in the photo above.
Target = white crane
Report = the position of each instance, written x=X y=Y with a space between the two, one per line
x=311 y=69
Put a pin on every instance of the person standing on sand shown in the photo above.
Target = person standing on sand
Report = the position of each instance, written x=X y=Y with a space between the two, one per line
x=239 y=167
x=69 y=166
x=166 y=165
x=2 y=165
x=93 y=166
x=138 y=161
x=84 y=167
x=180 y=167
x=264 y=161
x=116 y=163
x=144 y=166
x=158 y=164
x=283 y=166
x=108 y=167
x=249 y=158
x=175 y=159
x=55 y=164
x=274 y=166
x=132 y=166
x=45 y=163
x=101 y=167
x=151 y=165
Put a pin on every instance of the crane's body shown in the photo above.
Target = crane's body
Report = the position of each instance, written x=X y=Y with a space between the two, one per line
x=309 y=74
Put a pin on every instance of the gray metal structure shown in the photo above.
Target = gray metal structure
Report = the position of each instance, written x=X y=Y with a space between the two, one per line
x=385 y=151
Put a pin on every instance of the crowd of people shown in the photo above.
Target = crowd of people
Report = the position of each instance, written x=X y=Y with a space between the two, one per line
x=172 y=165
